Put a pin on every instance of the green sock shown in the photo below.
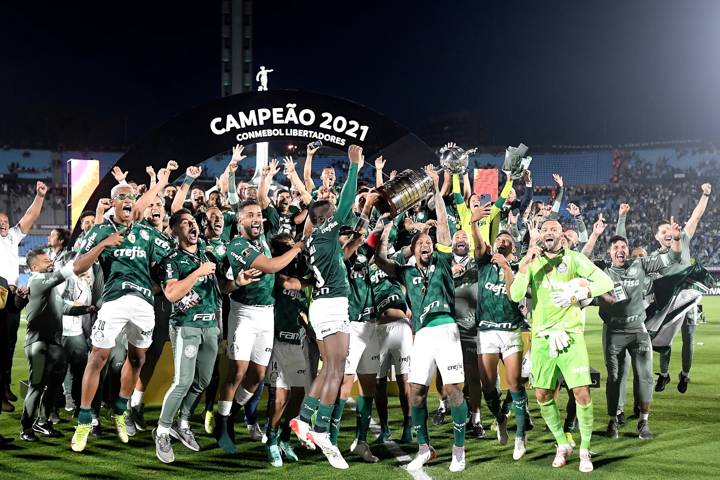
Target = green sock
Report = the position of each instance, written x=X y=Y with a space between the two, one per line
x=308 y=408
x=273 y=436
x=323 y=417
x=459 y=417
x=519 y=401
x=363 y=414
x=120 y=405
x=585 y=423
x=551 y=415
x=419 y=419
x=492 y=399
x=336 y=419
x=85 y=416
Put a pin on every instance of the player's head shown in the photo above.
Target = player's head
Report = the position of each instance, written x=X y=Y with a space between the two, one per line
x=242 y=190
x=474 y=201
x=58 y=238
x=512 y=196
x=87 y=220
x=328 y=176
x=360 y=202
x=250 y=220
x=39 y=261
x=4 y=224
x=504 y=244
x=551 y=236
x=184 y=227
x=214 y=199
x=197 y=197
x=282 y=200
x=619 y=251
x=321 y=211
x=663 y=234
x=215 y=222
x=155 y=212
x=461 y=243
x=281 y=243
x=170 y=191
x=251 y=192
x=638 y=252
x=422 y=249
x=123 y=202
x=570 y=239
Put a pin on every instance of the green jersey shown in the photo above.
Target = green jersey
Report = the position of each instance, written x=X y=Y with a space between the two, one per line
x=276 y=222
x=431 y=290
x=217 y=247
x=326 y=253
x=387 y=293
x=361 y=302
x=177 y=266
x=546 y=275
x=466 y=294
x=126 y=267
x=453 y=216
x=290 y=304
x=241 y=253
x=627 y=314
x=495 y=311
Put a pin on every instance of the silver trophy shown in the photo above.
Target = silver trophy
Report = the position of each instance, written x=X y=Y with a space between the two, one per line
x=454 y=159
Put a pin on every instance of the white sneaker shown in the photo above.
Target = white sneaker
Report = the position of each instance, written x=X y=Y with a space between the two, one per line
x=353 y=444
x=424 y=455
x=561 y=455
x=458 y=459
x=520 y=447
x=362 y=450
x=331 y=452
x=301 y=430
x=256 y=433
x=502 y=434
x=585 y=461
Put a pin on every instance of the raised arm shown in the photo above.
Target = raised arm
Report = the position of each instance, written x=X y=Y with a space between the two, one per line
x=555 y=210
x=33 y=211
x=307 y=168
x=266 y=176
x=191 y=174
x=443 y=229
x=598 y=229
x=102 y=206
x=528 y=194
x=390 y=267
x=622 y=217
x=163 y=177
x=379 y=165
x=347 y=195
x=697 y=214
x=295 y=181
x=478 y=240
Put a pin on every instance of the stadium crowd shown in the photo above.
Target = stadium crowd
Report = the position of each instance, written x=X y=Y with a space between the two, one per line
x=280 y=273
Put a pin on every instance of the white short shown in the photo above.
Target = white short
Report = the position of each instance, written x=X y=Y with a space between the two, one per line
x=250 y=333
x=437 y=347
x=329 y=316
x=128 y=313
x=395 y=344
x=499 y=341
x=363 y=356
x=287 y=366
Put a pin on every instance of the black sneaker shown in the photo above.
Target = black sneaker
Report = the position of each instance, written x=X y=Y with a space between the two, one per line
x=96 y=430
x=46 y=429
x=662 y=381
x=643 y=430
x=612 y=429
x=136 y=417
x=439 y=417
x=477 y=430
x=621 y=418
x=683 y=381
x=28 y=435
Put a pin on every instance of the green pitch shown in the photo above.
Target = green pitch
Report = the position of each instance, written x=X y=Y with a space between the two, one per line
x=686 y=440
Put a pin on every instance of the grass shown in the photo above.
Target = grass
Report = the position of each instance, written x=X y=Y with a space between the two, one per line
x=685 y=445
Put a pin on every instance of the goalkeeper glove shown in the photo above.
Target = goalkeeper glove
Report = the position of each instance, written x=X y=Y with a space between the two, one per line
x=558 y=342
x=569 y=295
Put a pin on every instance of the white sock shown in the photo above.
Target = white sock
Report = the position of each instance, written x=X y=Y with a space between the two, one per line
x=644 y=416
x=620 y=410
x=477 y=419
x=442 y=406
x=136 y=399
x=95 y=422
x=184 y=423
x=224 y=408
x=242 y=396
x=423 y=448
x=163 y=430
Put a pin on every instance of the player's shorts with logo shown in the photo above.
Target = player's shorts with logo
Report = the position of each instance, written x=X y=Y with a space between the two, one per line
x=439 y=347
x=287 y=367
x=250 y=333
x=130 y=314
x=504 y=342
x=395 y=341
x=573 y=363
x=363 y=356
x=329 y=316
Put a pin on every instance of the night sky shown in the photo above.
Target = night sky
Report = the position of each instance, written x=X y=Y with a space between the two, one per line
x=541 y=71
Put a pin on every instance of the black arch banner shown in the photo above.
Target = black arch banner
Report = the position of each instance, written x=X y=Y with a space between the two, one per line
x=286 y=115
